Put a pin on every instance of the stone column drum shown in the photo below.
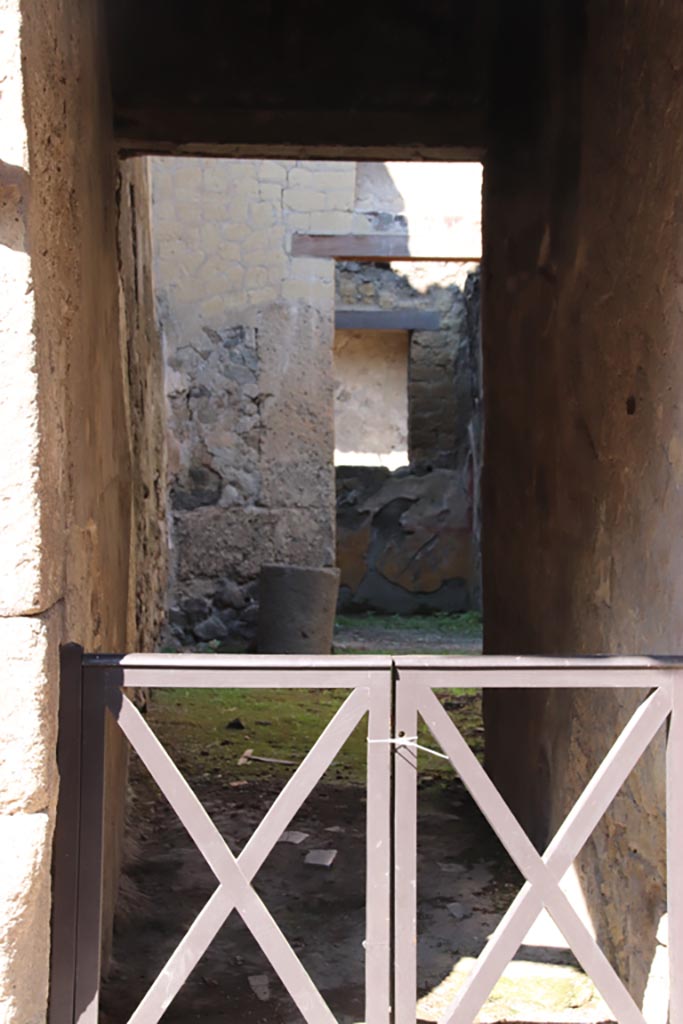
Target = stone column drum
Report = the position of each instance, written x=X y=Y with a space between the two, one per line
x=297 y=606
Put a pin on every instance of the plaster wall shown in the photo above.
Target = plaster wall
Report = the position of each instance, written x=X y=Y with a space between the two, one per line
x=371 y=398
x=69 y=517
x=583 y=472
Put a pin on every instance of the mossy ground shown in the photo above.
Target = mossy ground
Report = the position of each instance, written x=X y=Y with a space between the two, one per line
x=284 y=724
x=281 y=724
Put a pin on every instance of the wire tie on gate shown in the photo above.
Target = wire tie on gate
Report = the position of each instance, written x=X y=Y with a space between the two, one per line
x=411 y=742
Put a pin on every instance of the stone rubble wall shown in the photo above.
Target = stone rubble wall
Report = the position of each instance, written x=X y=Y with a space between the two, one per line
x=406 y=541
x=443 y=380
x=79 y=397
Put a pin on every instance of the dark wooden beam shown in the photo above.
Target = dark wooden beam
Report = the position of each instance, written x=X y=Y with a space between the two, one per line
x=159 y=127
x=386 y=320
x=275 y=79
x=462 y=245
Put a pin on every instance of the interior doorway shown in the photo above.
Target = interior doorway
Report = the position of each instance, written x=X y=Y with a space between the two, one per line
x=257 y=263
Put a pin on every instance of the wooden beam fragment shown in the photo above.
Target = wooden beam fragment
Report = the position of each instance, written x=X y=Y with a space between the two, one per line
x=386 y=320
x=461 y=243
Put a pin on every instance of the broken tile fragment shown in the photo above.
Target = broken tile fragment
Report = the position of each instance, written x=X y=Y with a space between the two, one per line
x=260 y=986
x=321 y=858
x=293 y=837
x=459 y=910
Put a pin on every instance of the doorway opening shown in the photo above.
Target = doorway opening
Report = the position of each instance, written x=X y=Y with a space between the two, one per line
x=256 y=263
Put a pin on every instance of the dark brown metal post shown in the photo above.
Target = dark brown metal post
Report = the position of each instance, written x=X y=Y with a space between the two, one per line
x=65 y=860
x=89 y=929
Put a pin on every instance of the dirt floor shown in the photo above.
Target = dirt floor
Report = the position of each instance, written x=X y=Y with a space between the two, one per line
x=465 y=880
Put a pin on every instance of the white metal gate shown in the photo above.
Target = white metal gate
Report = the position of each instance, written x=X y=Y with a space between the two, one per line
x=394 y=693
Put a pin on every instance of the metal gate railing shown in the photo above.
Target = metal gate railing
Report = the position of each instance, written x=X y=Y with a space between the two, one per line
x=94 y=684
x=417 y=679
x=394 y=693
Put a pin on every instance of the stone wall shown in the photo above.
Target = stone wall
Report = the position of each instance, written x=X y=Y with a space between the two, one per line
x=249 y=339
x=407 y=541
x=404 y=540
x=443 y=380
x=72 y=407
x=143 y=369
x=249 y=332
x=583 y=474
x=141 y=435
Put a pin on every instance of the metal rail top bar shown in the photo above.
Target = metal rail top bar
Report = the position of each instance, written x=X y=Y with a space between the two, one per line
x=494 y=662
x=342 y=662
x=242 y=662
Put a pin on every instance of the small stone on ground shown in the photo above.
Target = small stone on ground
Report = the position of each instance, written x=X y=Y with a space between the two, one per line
x=321 y=858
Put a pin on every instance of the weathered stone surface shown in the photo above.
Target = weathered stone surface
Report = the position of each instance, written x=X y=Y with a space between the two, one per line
x=297 y=422
x=371 y=397
x=212 y=628
x=404 y=540
x=297 y=606
x=28 y=725
x=250 y=614
x=25 y=912
x=228 y=595
x=234 y=543
x=202 y=486
x=144 y=373
x=583 y=476
x=195 y=609
x=249 y=370
x=443 y=375
x=82 y=520
x=29 y=579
